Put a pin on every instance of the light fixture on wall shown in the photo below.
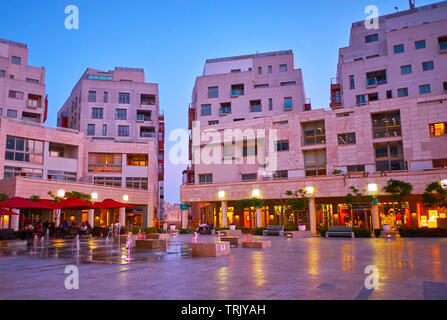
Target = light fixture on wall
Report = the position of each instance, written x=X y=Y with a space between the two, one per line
x=221 y=194
x=444 y=183
x=309 y=190
x=256 y=193
x=61 y=193
x=94 y=196
x=125 y=197
x=373 y=187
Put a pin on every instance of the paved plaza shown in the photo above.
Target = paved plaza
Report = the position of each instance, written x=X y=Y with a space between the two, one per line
x=312 y=268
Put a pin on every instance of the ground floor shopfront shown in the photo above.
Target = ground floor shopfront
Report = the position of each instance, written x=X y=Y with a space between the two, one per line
x=143 y=212
x=326 y=206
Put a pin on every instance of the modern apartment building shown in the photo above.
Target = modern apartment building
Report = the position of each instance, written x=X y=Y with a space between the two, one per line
x=404 y=58
x=22 y=87
x=326 y=151
x=117 y=105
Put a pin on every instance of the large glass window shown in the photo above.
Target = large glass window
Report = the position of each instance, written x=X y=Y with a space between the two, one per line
x=249 y=176
x=137 y=159
x=124 y=98
x=104 y=162
x=22 y=172
x=315 y=162
x=346 y=138
x=136 y=183
x=314 y=133
x=120 y=114
x=213 y=92
x=25 y=150
x=386 y=124
x=61 y=175
x=389 y=156
x=438 y=129
x=147 y=99
x=205 y=178
x=108 y=181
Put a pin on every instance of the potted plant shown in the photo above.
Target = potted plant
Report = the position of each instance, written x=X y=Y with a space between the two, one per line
x=232 y=227
x=301 y=226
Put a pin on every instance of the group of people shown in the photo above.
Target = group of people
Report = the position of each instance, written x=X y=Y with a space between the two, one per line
x=64 y=228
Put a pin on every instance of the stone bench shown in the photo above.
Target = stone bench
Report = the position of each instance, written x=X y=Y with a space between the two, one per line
x=273 y=230
x=150 y=244
x=339 y=231
x=159 y=236
x=297 y=234
x=256 y=244
x=211 y=249
x=234 y=241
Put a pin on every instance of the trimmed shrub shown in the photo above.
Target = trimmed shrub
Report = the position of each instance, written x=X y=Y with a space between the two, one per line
x=322 y=231
x=290 y=228
x=361 y=232
x=415 y=232
x=184 y=231
x=377 y=232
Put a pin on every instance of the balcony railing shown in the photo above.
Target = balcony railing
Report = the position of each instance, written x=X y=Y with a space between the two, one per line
x=314 y=140
x=33 y=104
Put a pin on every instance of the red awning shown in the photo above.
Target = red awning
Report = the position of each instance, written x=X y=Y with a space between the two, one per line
x=49 y=203
x=22 y=203
x=75 y=204
x=4 y=212
x=112 y=204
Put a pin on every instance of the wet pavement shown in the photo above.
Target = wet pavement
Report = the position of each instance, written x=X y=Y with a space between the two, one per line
x=312 y=268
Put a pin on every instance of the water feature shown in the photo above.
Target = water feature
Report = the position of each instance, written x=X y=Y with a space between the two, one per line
x=35 y=241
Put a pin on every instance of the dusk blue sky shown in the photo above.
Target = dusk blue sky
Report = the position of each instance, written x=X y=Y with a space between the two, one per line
x=172 y=39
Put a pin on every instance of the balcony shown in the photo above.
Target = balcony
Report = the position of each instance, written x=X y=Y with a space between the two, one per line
x=237 y=90
x=224 y=111
x=310 y=140
x=375 y=78
x=147 y=99
x=34 y=101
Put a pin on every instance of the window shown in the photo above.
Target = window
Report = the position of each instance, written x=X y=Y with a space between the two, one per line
x=361 y=100
x=270 y=69
x=90 y=129
x=236 y=70
x=288 y=104
x=255 y=106
x=144 y=115
x=425 y=88
x=356 y=168
x=2 y=73
x=11 y=113
x=281 y=174
x=16 y=60
x=136 y=183
x=427 y=65
x=419 y=44
x=249 y=148
x=402 y=92
x=398 y=48
x=288 y=83
x=249 y=176
x=24 y=150
x=259 y=70
x=405 y=69
x=104 y=162
x=32 y=80
x=440 y=163
x=389 y=94
x=139 y=159
x=11 y=76
x=205 y=178
x=351 y=82
x=438 y=129
x=260 y=86
x=147 y=132
x=124 y=98
x=213 y=92
x=205 y=110
x=270 y=104
x=373 y=97
x=123 y=131
x=389 y=156
x=315 y=163
x=444 y=84
x=442 y=43
x=386 y=124
x=29 y=116
x=147 y=99
x=106 y=97
x=92 y=96
x=213 y=122
x=283 y=68
x=237 y=90
x=314 y=133
x=376 y=78
x=15 y=94
x=372 y=38
x=97 y=113
x=346 y=138
x=225 y=108
x=57 y=175
x=104 y=130
x=120 y=114
x=108 y=181
x=282 y=145
x=22 y=172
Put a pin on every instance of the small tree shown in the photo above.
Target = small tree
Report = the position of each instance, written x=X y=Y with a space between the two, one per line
x=249 y=203
x=34 y=198
x=435 y=195
x=398 y=191
x=83 y=196
x=4 y=197
x=298 y=202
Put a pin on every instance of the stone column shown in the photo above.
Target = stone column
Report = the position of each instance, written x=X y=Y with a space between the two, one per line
x=122 y=216
x=258 y=217
x=15 y=219
x=312 y=225
x=185 y=218
x=224 y=214
x=375 y=216
x=91 y=217
x=57 y=217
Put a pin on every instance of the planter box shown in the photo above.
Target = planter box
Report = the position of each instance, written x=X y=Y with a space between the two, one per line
x=159 y=236
x=257 y=244
x=213 y=249
x=150 y=244
x=234 y=233
x=234 y=241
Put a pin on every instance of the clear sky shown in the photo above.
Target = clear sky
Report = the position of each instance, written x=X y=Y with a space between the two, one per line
x=172 y=39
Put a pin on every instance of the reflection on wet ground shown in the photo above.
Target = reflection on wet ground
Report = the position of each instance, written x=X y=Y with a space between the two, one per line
x=312 y=268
